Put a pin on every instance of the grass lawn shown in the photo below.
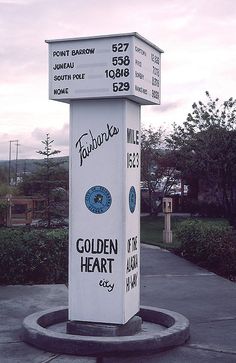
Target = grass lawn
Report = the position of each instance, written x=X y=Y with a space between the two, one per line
x=152 y=229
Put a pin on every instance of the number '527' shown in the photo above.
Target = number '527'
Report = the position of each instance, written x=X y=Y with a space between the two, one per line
x=120 y=47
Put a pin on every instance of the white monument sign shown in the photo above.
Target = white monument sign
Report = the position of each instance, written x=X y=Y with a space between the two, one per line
x=102 y=67
x=105 y=79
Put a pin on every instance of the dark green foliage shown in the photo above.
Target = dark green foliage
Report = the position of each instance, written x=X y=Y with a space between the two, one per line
x=212 y=245
x=157 y=171
x=33 y=256
x=3 y=174
x=3 y=211
x=204 y=149
x=3 y=206
x=202 y=209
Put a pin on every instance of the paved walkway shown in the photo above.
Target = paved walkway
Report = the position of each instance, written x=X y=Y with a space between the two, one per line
x=168 y=282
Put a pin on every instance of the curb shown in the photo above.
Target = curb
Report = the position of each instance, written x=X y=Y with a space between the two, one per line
x=35 y=332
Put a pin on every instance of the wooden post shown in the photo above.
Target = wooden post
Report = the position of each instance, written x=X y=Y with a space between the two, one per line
x=167 y=210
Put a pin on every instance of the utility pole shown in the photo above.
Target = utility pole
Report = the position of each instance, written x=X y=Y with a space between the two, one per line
x=17 y=152
x=9 y=164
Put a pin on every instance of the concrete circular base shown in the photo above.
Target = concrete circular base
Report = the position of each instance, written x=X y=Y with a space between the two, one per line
x=174 y=332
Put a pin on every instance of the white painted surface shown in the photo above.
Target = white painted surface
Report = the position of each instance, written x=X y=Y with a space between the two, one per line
x=106 y=166
x=124 y=65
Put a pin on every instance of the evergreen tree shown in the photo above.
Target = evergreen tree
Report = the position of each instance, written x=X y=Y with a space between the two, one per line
x=50 y=181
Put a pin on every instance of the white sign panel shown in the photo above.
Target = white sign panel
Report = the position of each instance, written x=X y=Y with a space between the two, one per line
x=124 y=65
x=104 y=211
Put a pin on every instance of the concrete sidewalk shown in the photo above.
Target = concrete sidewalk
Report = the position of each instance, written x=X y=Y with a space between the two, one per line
x=168 y=282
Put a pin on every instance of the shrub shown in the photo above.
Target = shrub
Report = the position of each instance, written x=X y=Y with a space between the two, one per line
x=33 y=256
x=201 y=208
x=209 y=244
x=3 y=212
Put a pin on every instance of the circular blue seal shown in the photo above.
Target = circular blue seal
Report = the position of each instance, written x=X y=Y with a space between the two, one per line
x=98 y=199
x=132 y=199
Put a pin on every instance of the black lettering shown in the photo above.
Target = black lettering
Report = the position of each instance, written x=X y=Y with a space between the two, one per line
x=139 y=75
x=113 y=246
x=60 y=91
x=86 y=147
x=138 y=63
x=96 y=265
x=91 y=264
x=106 y=284
x=132 y=136
x=129 y=245
x=131 y=281
x=134 y=243
x=78 y=76
x=99 y=246
x=58 y=66
x=82 y=51
x=60 y=53
x=106 y=246
x=63 y=77
x=141 y=51
x=103 y=265
x=86 y=264
x=87 y=246
x=79 y=249
x=132 y=263
x=141 y=89
x=127 y=284
x=110 y=261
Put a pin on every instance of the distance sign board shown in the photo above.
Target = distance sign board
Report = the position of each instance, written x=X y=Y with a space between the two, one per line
x=113 y=66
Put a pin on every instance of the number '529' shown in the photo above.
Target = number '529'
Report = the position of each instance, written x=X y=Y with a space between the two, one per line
x=120 y=86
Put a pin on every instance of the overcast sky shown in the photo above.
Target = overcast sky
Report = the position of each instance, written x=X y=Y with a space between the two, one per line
x=197 y=36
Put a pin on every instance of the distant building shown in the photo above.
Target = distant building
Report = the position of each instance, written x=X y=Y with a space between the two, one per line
x=21 y=210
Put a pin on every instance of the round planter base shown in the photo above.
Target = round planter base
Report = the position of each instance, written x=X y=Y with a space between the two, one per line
x=161 y=329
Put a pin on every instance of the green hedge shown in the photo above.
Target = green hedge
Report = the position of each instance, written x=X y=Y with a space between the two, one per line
x=33 y=256
x=210 y=245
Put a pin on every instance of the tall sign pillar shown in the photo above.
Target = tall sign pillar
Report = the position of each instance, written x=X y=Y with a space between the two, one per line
x=105 y=80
